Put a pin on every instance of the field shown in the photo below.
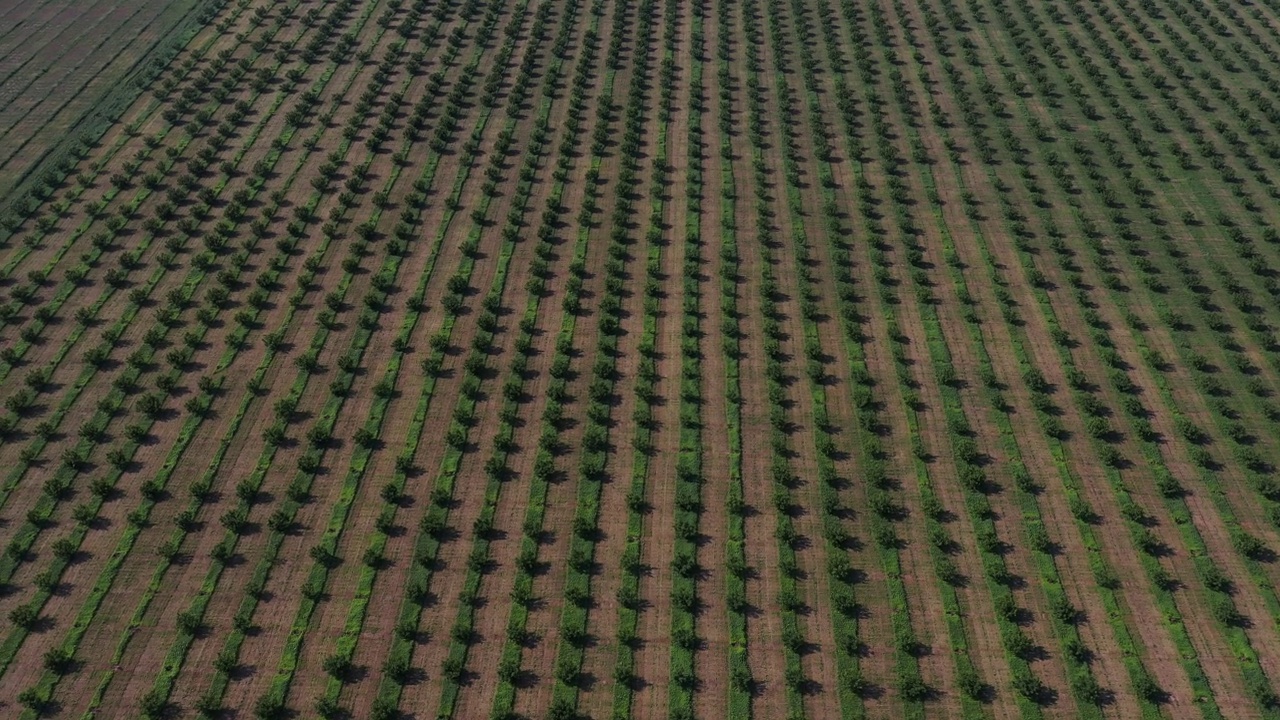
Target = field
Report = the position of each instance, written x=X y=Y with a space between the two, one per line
x=642 y=359
x=67 y=69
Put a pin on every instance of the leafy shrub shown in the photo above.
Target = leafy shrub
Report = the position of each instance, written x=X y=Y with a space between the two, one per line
x=1085 y=687
x=912 y=688
x=971 y=685
x=24 y=616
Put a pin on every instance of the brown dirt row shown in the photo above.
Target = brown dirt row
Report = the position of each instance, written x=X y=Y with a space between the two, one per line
x=355 y=410
x=653 y=657
x=147 y=457
x=73 y=367
x=382 y=610
x=543 y=621
x=923 y=593
x=1186 y=196
x=1204 y=631
x=245 y=452
x=378 y=353
x=1217 y=537
x=1160 y=655
x=875 y=629
x=764 y=626
x=1008 y=516
x=922 y=584
x=491 y=617
x=764 y=614
x=1008 y=520
x=331 y=616
x=1101 y=496
x=1030 y=444
x=874 y=626
x=1030 y=449
x=981 y=629
x=470 y=485
x=1170 y=203
x=712 y=656
x=235 y=391
x=815 y=619
x=819 y=657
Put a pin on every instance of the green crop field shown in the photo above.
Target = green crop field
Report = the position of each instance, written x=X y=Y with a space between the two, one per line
x=640 y=359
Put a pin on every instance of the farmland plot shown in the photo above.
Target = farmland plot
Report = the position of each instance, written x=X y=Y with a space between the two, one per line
x=69 y=70
x=641 y=359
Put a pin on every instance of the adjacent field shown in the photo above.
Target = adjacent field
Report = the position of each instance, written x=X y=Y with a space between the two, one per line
x=640 y=359
x=68 y=69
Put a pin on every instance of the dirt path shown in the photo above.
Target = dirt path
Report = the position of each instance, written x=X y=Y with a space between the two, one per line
x=148 y=456
x=539 y=657
x=763 y=613
x=491 y=616
x=653 y=656
x=245 y=450
x=818 y=657
x=1073 y=560
x=1007 y=521
x=712 y=657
